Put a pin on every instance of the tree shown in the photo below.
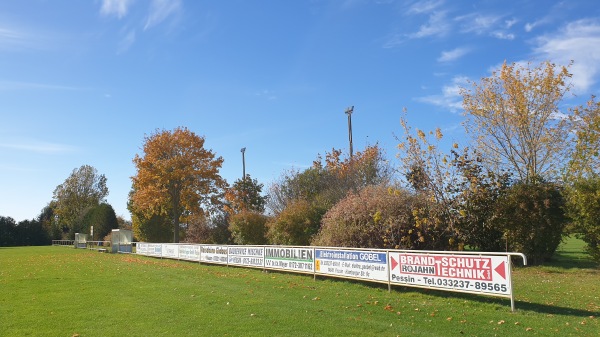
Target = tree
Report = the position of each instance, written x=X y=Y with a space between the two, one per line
x=176 y=177
x=103 y=218
x=514 y=119
x=83 y=189
x=245 y=194
x=583 y=205
x=585 y=160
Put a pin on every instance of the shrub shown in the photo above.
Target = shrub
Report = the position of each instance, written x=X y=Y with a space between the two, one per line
x=381 y=217
x=248 y=228
x=295 y=225
x=533 y=218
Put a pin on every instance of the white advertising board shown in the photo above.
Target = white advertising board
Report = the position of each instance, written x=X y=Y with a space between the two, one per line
x=189 y=252
x=467 y=273
x=141 y=248
x=290 y=258
x=213 y=254
x=247 y=256
x=358 y=264
x=170 y=251
x=154 y=249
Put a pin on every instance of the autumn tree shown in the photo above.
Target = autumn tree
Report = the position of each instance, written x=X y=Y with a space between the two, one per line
x=430 y=173
x=515 y=122
x=585 y=159
x=583 y=177
x=176 y=177
x=83 y=189
x=245 y=195
x=300 y=198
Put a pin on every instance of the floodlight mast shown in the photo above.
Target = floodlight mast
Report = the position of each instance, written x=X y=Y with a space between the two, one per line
x=349 y=113
x=243 y=150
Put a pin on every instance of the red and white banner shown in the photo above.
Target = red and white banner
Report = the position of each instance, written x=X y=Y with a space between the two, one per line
x=469 y=273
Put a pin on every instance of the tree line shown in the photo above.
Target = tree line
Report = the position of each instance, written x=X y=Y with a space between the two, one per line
x=527 y=176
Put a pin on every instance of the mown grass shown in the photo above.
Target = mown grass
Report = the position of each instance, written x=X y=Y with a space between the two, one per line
x=58 y=291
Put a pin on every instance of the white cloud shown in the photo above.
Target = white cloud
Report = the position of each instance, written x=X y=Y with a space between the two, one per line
x=578 y=41
x=478 y=23
x=161 y=10
x=503 y=35
x=510 y=23
x=117 y=8
x=450 y=97
x=453 y=54
x=421 y=7
x=436 y=25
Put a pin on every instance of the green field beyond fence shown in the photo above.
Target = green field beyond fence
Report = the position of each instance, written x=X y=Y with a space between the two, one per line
x=60 y=291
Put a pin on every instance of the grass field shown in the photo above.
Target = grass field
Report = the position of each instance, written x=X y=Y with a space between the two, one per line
x=58 y=291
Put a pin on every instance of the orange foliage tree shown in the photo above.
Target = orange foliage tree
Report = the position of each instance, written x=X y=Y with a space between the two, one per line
x=176 y=177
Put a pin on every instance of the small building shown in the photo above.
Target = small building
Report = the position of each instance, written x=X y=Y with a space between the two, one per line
x=121 y=241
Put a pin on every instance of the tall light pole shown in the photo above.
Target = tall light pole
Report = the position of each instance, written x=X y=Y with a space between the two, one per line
x=349 y=113
x=243 y=150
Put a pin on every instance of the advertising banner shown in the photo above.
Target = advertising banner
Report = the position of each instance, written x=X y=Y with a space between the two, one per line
x=467 y=273
x=141 y=248
x=358 y=264
x=290 y=258
x=189 y=252
x=170 y=251
x=154 y=249
x=213 y=254
x=248 y=256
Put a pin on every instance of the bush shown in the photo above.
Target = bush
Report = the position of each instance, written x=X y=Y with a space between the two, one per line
x=295 y=225
x=533 y=217
x=248 y=228
x=381 y=217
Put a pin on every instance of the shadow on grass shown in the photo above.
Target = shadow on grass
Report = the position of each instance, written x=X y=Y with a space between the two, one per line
x=519 y=305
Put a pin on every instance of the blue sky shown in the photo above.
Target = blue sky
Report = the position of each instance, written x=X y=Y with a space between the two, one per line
x=82 y=82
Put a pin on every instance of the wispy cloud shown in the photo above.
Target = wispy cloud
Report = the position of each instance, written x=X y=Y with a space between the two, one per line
x=437 y=25
x=421 y=7
x=14 y=38
x=453 y=54
x=160 y=10
x=127 y=39
x=450 y=97
x=503 y=35
x=478 y=23
x=509 y=23
x=578 y=41
x=16 y=85
x=39 y=147
x=117 y=8
x=268 y=94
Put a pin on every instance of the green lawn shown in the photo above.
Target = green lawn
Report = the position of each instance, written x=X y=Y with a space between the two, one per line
x=59 y=291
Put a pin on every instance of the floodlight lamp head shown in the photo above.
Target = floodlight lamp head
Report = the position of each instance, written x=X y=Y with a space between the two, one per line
x=243 y=150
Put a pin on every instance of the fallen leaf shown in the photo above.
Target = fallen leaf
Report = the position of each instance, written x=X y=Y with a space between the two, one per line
x=501 y=322
x=316 y=298
x=449 y=318
x=528 y=329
